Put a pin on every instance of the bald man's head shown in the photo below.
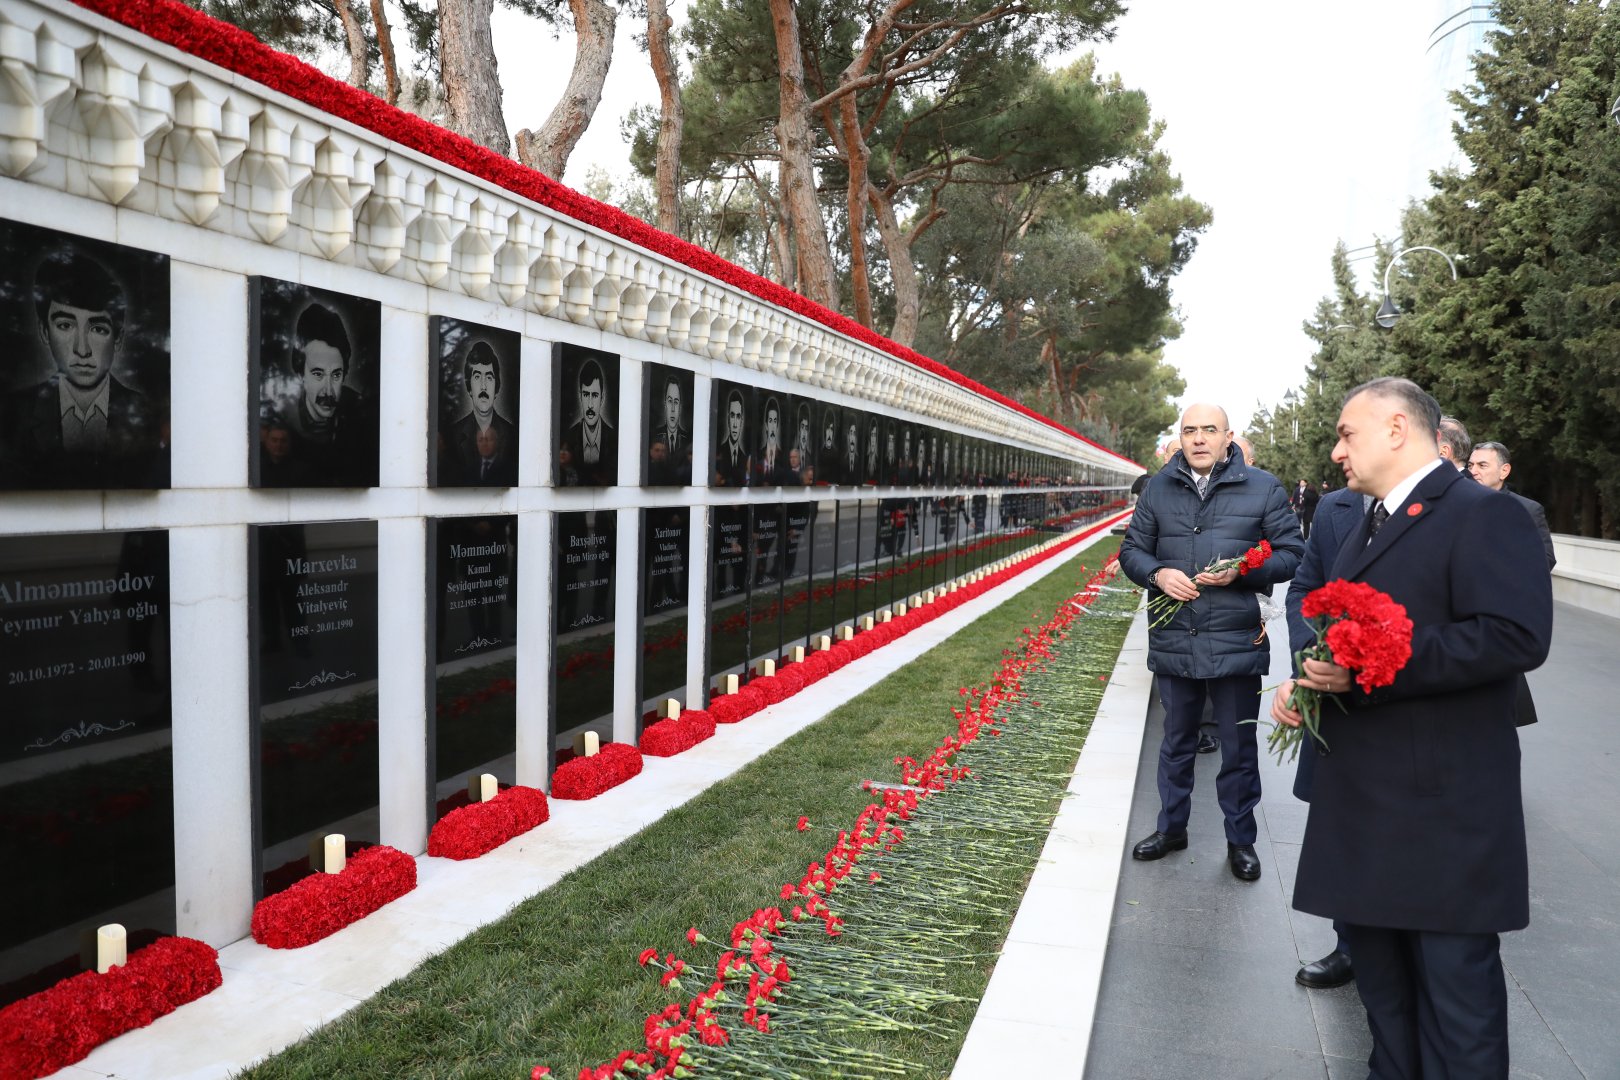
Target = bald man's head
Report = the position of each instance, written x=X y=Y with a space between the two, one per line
x=1205 y=435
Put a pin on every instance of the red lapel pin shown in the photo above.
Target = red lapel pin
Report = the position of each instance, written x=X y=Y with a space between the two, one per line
x=1414 y=510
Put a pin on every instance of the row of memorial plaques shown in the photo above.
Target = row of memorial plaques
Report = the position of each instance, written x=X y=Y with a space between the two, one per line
x=86 y=785
x=783 y=575
x=766 y=438
x=85 y=393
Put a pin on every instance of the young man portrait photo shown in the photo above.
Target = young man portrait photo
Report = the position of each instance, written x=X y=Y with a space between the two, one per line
x=84 y=363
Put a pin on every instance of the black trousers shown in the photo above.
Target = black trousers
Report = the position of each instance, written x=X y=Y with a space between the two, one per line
x=1436 y=1003
x=1237 y=785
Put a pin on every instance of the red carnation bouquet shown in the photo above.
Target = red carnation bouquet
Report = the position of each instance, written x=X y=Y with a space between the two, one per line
x=1357 y=627
x=1162 y=608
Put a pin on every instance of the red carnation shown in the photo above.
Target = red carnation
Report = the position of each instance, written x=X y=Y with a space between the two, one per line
x=1357 y=627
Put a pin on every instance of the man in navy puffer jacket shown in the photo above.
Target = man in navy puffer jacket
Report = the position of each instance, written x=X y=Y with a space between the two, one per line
x=1208 y=503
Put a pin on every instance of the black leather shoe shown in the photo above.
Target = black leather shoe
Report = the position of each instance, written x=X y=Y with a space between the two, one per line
x=1159 y=845
x=1207 y=743
x=1244 y=862
x=1332 y=970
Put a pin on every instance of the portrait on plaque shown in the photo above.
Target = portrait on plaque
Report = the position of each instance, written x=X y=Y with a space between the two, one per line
x=474 y=422
x=828 y=453
x=586 y=417
x=315 y=363
x=771 y=460
x=84 y=363
x=667 y=419
x=850 y=466
x=733 y=456
x=873 y=458
x=802 y=452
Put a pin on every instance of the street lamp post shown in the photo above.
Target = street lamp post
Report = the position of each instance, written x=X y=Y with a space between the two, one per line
x=1291 y=400
x=1388 y=314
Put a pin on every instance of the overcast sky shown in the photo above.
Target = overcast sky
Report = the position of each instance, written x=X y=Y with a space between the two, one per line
x=1296 y=121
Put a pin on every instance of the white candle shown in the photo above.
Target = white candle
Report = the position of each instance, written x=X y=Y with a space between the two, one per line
x=729 y=684
x=900 y=608
x=488 y=787
x=823 y=642
x=866 y=622
x=336 y=856
x=797 y=653
x=669 y=709
x=845 y=632
x=766 y=666
x=885 y=615
x=111 y=947
x=587 y=744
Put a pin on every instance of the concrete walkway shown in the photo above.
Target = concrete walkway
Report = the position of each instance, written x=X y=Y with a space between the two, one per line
x=1198 y=979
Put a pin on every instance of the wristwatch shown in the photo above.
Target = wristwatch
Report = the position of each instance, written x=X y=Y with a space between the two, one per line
x=1153 y=578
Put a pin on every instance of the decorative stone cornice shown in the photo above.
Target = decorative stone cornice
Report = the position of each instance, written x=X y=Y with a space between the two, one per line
x=98 y=110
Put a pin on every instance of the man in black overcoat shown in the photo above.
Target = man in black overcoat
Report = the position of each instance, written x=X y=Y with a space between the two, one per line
x=1416 y=838
x=1340 y=515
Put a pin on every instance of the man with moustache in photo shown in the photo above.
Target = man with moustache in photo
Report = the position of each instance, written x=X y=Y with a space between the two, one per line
x=82 y=427
x=852 y=452
x=772 y=460
x=327 y=418
x=482 y=446
x=1415 y=841
x=591 y=442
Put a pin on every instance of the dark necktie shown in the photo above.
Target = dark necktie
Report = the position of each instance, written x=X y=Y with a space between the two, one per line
x=483 y=472
x=1376 y=520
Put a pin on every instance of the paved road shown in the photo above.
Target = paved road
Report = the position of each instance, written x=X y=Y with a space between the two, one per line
x=1198 y=980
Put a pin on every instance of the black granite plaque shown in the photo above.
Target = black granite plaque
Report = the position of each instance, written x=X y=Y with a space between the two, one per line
x=473 y=424
x=850 y=472
x=906 y=462
x=314 y=680
x=665 y=595
x=733 y=430
x=86 y=776
x=872 y=449
x=729 y=563
x=667 y=426
x=582 y=638
x=316 y=377
x=765 y=582
x=799 y=530
x=823 y=568
x=772 y=461
x=800 y=412
x=585 y=416
x=889 y=472
x=849 y=551
x=829 y=454
x=84 y=362
x=474 y=682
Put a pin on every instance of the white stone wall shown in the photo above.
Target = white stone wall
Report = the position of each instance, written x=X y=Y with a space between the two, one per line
x=106 y=134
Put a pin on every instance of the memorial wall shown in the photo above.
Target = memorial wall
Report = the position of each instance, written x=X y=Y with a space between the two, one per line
x=285 y=406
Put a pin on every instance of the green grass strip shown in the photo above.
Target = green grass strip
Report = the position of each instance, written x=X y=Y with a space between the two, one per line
x=556 y=981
